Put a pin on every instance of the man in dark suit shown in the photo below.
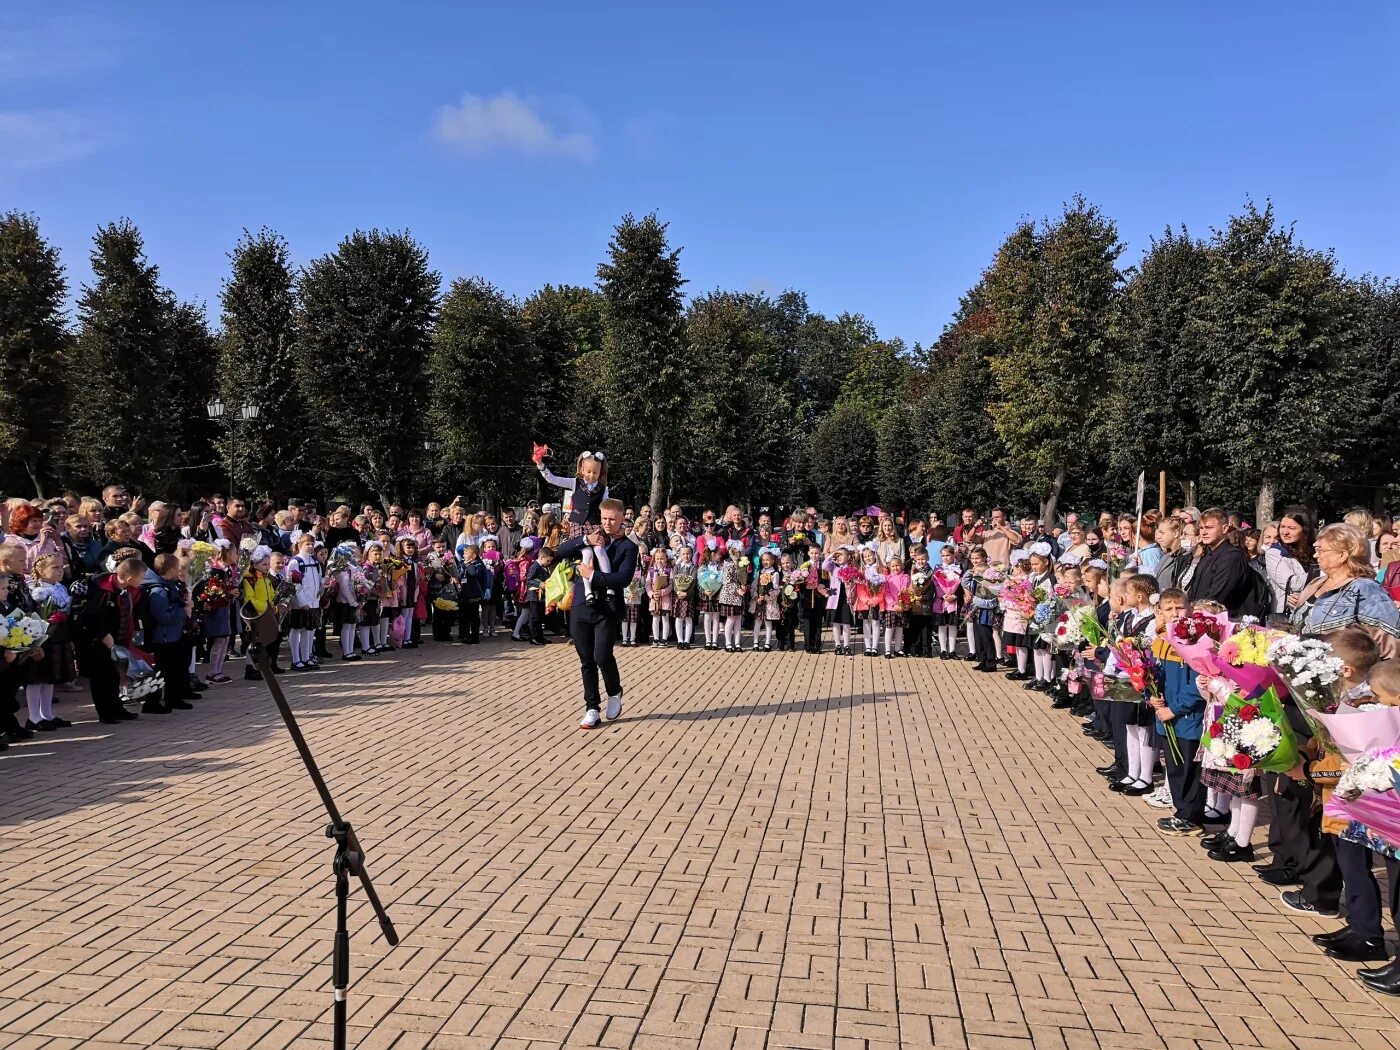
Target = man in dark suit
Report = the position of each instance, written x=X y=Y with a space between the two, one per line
x=595 y=620
x=1223 y=573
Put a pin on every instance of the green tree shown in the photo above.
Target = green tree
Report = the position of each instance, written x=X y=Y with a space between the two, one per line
x=34 y=346
x=1282 y=331
x=120 y=425
x=482 y=370
x=901 y=453
x=1055 y=300
x=842 y=451
x=565 y=326
x=964 y=454
x=194 y=363
x=878 y=376
x=1155 y=401
x=258 y=365
x=736 y=427
x=641 y=284
x=364 y=330
x=1377 y=464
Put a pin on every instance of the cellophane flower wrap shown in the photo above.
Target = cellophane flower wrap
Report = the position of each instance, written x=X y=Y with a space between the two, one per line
x=1079 y=626
x=1373 y=771
x=1252 y=734
x=1313 y=674
x=21 y=631
x=1244 y=660
x=53 y=602
x=202 y=555
x=710 y=580
x=1196 y=639
x=1018 y=596
x=989 y=584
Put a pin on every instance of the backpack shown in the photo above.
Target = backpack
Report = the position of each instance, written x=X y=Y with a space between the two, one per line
x=1259 y=601
x=559 y=588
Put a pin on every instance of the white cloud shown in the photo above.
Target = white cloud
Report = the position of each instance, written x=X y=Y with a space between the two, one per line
x=506 y=123
x=39 y=137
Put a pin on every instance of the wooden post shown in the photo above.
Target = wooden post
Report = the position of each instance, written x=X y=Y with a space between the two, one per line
x=1162 y=493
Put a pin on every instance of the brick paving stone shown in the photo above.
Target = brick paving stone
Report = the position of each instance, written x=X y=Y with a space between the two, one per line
x=776 y=850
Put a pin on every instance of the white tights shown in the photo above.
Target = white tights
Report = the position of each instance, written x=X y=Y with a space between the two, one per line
x=660 y=628
x=1142 y=755
x=894 y=640
x=971 y=641
x=39 y=696
x=948 y=639
x=1045 y=665
x=685 y=630
x=629 y=631
x=767 y=626
x=841 y=633
x=870 y=629
x=733 y=628
x=1217 y=801
x=1244 y=812
x=711 y=628
x=1023 y=656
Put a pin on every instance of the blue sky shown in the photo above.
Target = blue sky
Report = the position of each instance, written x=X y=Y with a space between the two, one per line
x=872 y=155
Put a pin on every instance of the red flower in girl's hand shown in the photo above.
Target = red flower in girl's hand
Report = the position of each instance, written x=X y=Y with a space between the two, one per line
x=1216 y=729
x=1248 y=713
x=1241 y=761
x=539 y=454
x=1138 y=677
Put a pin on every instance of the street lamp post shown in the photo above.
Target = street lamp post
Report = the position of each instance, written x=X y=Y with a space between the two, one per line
x=248 y=411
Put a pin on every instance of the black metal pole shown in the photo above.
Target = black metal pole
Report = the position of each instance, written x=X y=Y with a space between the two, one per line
x=349 y=856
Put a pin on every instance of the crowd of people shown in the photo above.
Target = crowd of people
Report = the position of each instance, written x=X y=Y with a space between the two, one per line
x=148 y=604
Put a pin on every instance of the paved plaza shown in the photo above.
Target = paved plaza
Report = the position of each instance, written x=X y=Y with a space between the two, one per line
x=778 y=850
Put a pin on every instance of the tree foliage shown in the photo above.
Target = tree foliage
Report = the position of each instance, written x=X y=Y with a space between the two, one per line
x=366 y=315
x=34 y=346
x=1281 y=330
x=121 y=425
x=483 y=399
x=641 y=284
x=1055 y=300
x=842 y=451
x=258 y=365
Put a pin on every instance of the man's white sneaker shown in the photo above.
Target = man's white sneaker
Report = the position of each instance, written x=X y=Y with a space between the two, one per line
x=591 y=719
x=614 y=707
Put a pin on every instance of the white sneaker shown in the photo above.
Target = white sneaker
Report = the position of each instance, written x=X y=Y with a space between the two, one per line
x=590 y=719
x=614 y=708
x=1160 y=799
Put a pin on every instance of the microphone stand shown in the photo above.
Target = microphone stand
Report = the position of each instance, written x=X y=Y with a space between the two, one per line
x=349 y=856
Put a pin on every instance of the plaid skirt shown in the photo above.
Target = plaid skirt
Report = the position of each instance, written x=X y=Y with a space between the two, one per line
x=632 y=612
x=709 y=602
x=890 y=618
x=682 y=609
x=304 y=619
x=1232 y=784
x=731 y=610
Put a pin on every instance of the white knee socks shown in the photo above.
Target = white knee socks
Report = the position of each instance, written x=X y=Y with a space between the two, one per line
x=1022 y=658
x=39 y=697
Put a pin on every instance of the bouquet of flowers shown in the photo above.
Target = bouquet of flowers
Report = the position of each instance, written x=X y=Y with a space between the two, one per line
x=989 y=584
x=710 y=580
x=1043 y=619
x=21 y=631
x=135 y=671
x=1018 y=596
x=1313 y=675
x=360 y=580
x=1244 y=660
x=1196 y=638
x=1373 y=771
x=446 y=599
x=800 y=575
x=284 y=590
x=683 y=582
x=213 y=593
x=741 y=573
x=1251 y=735
x=632 y=592
x=1356 y=733
x=1078 y=627
x=659 y=583
x=202 y=555
x=765 y=582
x=53 y=602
